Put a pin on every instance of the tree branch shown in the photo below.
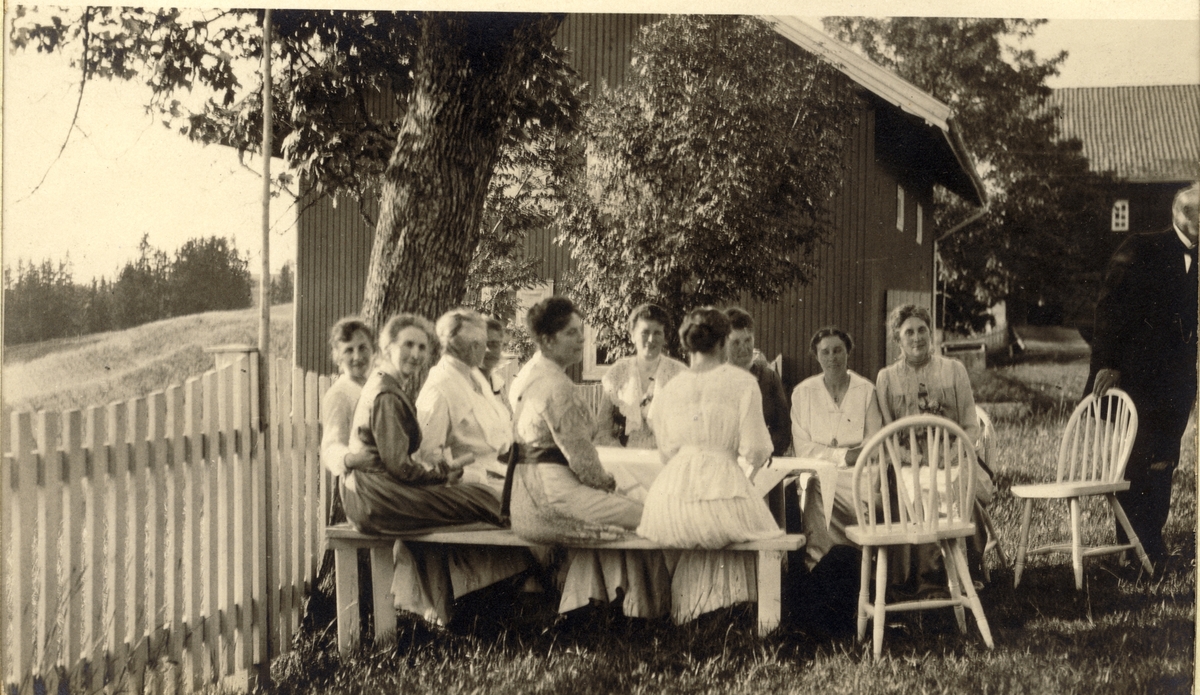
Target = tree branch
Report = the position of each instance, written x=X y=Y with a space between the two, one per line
x=83 y=64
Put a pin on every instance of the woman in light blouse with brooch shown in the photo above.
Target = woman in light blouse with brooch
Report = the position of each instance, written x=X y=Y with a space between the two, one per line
x=832 y=414
x=630 y=384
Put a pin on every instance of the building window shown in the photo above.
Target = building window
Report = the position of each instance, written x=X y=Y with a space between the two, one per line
x=1120 y=216
x=920 y=222
x=899 y=207
x=596 y=359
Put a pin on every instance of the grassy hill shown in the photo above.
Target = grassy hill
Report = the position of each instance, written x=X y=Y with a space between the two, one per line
x=105 y=367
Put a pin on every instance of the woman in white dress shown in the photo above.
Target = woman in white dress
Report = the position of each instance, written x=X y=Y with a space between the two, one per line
x=631 y=382
x=833 y=413
x=704 y=419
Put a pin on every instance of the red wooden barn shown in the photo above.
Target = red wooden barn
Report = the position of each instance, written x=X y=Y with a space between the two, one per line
x=882 y=251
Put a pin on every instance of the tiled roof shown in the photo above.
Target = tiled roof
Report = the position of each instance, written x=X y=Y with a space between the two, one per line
x=1146 y=133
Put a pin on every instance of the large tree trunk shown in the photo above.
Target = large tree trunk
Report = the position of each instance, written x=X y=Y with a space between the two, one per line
x=467 y=71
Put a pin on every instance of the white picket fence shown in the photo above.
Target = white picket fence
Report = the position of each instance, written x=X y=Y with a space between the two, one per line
x=135 y=551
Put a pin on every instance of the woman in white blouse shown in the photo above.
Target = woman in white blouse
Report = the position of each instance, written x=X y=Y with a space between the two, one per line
x=352 y=345
x=833 y=413
x=631 y=382
x=460 y=417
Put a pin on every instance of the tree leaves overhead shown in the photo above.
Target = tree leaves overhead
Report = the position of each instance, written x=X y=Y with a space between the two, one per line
x=341 y=79
x=1034 y=244
x=708 y=170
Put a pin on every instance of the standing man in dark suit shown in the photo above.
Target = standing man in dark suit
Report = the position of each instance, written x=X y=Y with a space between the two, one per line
x=1145 y=343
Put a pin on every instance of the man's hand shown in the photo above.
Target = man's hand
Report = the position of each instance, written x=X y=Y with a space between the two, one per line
x=1106 y=379
x=852 y=455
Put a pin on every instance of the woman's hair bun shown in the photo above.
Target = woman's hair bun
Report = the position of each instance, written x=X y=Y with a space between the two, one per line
x=704 y=330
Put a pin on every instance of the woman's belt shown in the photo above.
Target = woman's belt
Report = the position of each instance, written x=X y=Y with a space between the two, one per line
x=523 y=453
x=539 y=454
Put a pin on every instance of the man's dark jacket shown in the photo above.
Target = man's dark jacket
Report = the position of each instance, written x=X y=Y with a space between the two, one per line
x=1146 y=325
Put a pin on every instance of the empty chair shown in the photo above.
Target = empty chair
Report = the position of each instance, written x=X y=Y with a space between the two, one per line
x=1091 y=461
x=914 y=483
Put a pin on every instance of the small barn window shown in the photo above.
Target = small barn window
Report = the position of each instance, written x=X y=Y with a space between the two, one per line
x=920 y=222
x=596 y=360
x=1120 y=216
x=899 y=207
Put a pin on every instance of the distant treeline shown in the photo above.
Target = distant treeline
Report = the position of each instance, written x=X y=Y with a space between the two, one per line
x=42 y=301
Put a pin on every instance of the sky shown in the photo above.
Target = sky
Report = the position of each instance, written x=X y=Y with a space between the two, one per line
x=122 y=174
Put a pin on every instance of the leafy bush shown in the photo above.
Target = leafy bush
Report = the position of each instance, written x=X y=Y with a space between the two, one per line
x=708 y=171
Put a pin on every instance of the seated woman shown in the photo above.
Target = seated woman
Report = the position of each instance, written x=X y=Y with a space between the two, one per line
x=387 y=489
x=832 y=414
x=456 y=407
x=352 y=344
x=631 y=382
x=923 y=382
x=704 y=419
x=559 y=490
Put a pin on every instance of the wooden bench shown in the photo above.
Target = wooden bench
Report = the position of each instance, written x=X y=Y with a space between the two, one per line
x=345 y=542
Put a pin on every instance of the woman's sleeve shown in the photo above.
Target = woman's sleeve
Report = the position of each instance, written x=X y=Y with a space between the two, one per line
x=661 y=430
x=802 y=437
x=570 y=425
x=882 y=396
x=337 y=413
x=433 y=416
x=754 y=439
x=387 y=426
x=874 y=418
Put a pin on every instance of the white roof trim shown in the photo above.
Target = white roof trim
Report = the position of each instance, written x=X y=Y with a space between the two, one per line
x=883 y=82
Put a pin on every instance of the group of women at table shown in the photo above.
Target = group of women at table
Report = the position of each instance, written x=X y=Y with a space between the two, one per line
x=418 y=447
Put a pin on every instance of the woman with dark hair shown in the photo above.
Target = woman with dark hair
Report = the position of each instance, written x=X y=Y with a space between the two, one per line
x=559 y=490
x=704 y=419
x=833 y=413
x=631 y=382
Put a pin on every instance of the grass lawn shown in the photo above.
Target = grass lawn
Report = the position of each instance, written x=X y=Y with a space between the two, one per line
x=1120 y=634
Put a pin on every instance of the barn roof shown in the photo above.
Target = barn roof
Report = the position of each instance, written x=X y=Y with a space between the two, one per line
x=1146 y=134
x=943 y=150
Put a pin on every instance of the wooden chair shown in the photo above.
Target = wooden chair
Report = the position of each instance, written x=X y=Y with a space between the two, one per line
x=591 y=393
x=987 y=451
x=1091 y=461
x=898 y=503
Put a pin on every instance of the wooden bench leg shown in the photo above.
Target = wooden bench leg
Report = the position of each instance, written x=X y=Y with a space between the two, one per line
x=382 y=565
x=770 y=590
x=345 y=563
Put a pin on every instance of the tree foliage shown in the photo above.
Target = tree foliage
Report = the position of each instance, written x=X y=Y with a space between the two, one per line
x=411 y=107
x=142 y=291
x=1033 y=243
x=708 y=171
x=42 y=301
x=283 y=288
x=209 y=275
